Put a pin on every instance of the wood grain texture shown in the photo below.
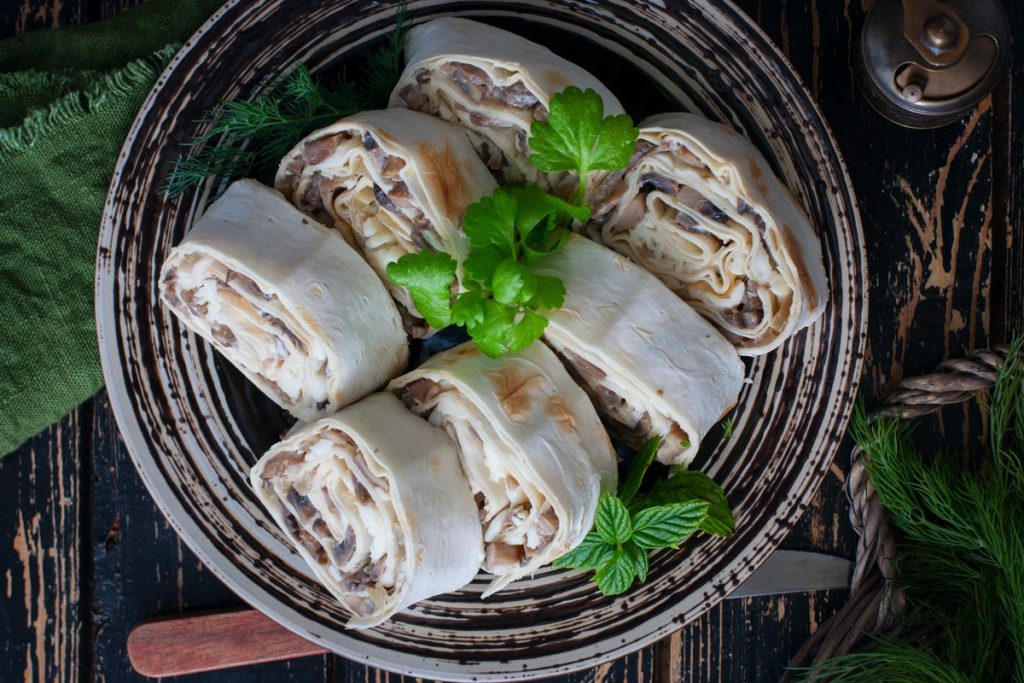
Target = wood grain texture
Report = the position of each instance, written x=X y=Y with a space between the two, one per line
x=140 y=569
x=200 y=642
x=40 y=561
x=1011 y=141
x=19 y=16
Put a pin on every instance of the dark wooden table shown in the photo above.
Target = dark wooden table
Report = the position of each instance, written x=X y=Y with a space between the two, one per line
x=86 y=554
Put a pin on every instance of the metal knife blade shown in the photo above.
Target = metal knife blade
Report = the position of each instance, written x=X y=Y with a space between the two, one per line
x=796 y=571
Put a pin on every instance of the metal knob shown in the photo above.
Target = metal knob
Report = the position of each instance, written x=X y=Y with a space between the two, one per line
x=925 y=63
x=941 y=33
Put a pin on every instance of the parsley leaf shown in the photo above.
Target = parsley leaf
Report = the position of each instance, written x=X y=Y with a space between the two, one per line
x=428 y=276
x=491 y=221
x=502 y=329
x=578 y=137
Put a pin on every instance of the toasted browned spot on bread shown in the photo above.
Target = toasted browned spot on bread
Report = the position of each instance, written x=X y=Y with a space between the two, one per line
x=757 y=175
x=446 y=183
x=561 y=414
x=512 y=389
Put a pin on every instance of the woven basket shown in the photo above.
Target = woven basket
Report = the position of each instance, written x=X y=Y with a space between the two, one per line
x=873 y=598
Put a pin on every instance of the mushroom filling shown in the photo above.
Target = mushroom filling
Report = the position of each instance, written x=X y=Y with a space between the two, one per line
x=363 y=186
x=518 y=521
x=496 y=113
x=337 y=505
x=252 y=327
x=630 y=421
x=670 y=213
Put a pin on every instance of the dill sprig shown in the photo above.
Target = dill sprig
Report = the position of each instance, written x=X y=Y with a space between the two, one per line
x=248 y=137
x=960 y=564
x=384 y=65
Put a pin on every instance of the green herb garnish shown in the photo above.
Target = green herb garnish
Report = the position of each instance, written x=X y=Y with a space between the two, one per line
x=499 y=296
x=627 y=527
x=578 y=137
x=727 y=427
x=960 y=563
x=508 y=233
x=251 y=136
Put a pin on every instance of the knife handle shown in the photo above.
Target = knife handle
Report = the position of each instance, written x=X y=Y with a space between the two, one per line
x=212 y=641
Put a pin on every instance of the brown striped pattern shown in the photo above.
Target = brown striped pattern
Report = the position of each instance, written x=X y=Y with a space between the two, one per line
x=194 y=428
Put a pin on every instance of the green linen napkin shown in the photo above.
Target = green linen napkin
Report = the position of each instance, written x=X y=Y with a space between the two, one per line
x=68 y=97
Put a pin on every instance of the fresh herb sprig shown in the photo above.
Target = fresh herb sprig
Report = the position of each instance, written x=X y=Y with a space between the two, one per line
x=251 y=136
x=628 y=526
x=577 y=136
x=499 y=297
x=960 y=563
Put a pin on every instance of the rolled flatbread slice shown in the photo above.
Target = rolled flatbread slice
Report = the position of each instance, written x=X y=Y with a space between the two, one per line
x=495 y=84
x=393 y=182
x=286 y=300
x=531 y=445
x=701 y=208
x=373 y=498
x=650 y=363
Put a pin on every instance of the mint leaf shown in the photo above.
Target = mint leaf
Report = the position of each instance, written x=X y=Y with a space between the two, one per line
x=616 y=575
x=428 y=277
x=688 y=485
x=637 y=468
x=578 y=136
x=592 y=553
x=492 y=221
x=638 y=557
x=612 y=520
x=666 y=526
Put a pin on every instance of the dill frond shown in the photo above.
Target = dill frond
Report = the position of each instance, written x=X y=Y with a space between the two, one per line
x=191 y=170
x=891 y=661
x=251 y=136
x=384 y=66
x=961 y=548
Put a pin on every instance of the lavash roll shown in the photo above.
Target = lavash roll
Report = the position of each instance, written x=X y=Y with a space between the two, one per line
x=375 y=501
x=495 y=84
x=286 y=300
x=393 y=182
x=700 y=207
x=652 y=366
x=533 y=449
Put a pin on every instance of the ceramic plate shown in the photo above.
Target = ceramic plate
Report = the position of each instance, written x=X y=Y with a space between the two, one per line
x=194 y=427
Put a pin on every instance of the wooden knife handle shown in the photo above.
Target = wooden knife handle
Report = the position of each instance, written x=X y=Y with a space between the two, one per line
x=211 y=641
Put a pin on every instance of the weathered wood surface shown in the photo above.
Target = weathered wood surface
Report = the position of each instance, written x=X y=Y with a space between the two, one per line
x=86 y=555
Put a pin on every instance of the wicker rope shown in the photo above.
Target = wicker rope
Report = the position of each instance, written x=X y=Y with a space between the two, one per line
x=872 y=598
